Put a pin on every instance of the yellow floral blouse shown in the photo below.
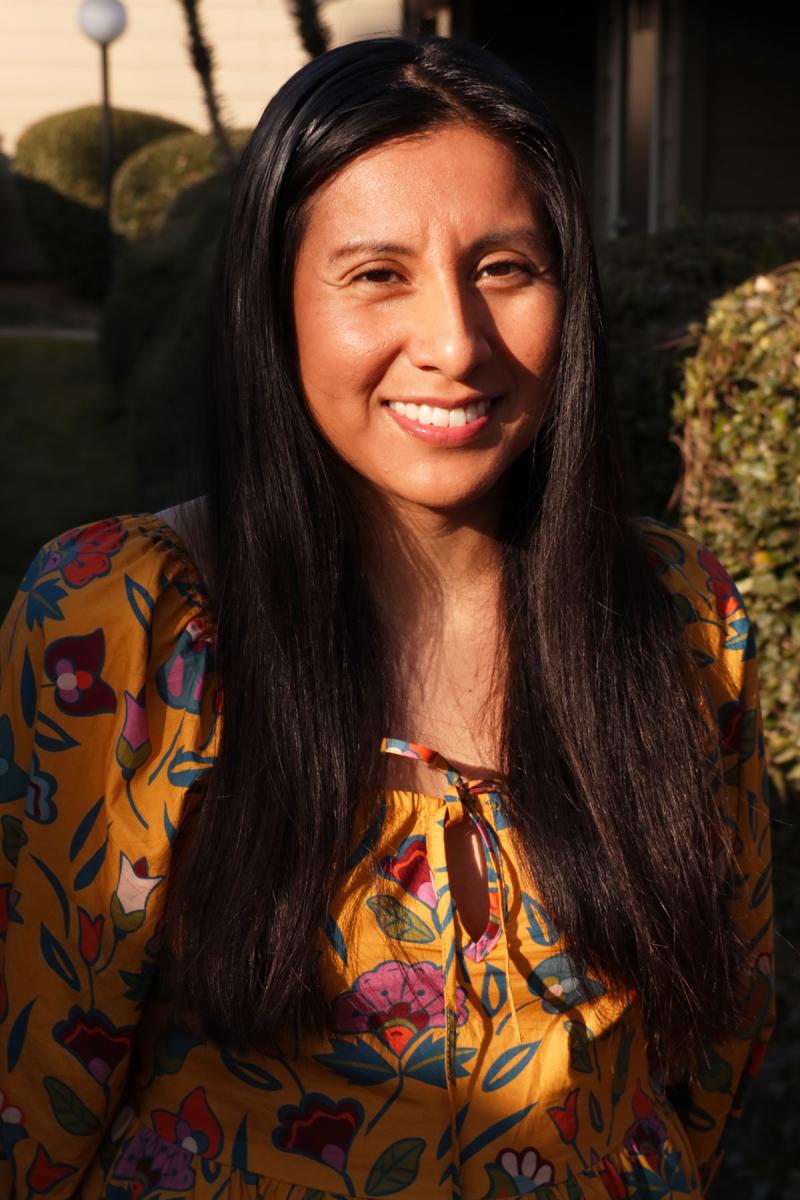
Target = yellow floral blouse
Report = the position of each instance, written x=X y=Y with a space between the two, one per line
x=457 y=1067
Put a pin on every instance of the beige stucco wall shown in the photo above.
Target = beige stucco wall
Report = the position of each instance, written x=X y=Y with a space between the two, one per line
x=47 y=64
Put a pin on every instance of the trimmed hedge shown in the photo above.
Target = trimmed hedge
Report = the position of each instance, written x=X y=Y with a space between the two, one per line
x=58 y=175
x=65 y=150
x=655 y=289
x=154 y=338
x=149 y=180
x=740 y=418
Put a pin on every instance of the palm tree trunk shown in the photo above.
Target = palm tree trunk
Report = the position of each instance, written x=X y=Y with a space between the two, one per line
x=203 y=62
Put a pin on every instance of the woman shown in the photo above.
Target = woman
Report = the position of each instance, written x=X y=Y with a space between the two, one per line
x=540 y=964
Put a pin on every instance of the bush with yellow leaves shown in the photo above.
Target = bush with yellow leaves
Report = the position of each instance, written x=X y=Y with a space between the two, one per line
x=739 y=422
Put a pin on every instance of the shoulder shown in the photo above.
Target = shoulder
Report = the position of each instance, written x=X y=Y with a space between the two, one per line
x=106 y=658
x=112 y=575
x=705 y=598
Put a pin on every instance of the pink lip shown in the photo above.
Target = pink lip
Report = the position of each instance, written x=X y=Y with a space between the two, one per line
x=434 y=435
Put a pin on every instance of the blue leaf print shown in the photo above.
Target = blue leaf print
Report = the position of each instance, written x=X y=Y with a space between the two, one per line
x=370 y=837
x=250 y=1073
x=13 y=780
x=508 y=1065
x=62 y=740
x=396 y=1167
x=444 y=1143
x=336 y=938
x=141 y=603
x=85 y=827
x=43 y=602
x=27 y=691
x=560 y=986
x=91 y=867
x=42 y=786
x=16 y=1039
x=55 y=884
x=495 y=1131
x=182 y=775
x=357 y=1062
x=426 y=1063
x=57 y=959
x=540 y=927
x=494 y=990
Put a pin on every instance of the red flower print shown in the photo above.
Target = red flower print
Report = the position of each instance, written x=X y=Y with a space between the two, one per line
x=719 y=581
x=74 y=665
x=395 y=1001
x=647 y=1134
x=411 y=870
x=44 y=1174
x=612 y=1180
x=193 y=1126
x=565 y=1118
x=8 y=911
x=319 y=1128
x=87 y=552
x=91 y=935
x=91 y=1038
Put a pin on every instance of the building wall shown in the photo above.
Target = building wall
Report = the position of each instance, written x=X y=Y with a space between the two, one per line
x=47 y=65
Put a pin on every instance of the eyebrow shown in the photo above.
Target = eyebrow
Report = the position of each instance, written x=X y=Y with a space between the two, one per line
x=491 y=241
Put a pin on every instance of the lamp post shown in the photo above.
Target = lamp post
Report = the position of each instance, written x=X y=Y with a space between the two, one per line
x=103 y=21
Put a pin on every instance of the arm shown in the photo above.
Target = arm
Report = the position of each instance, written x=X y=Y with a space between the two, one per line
x=98 y=754
x=722 y=639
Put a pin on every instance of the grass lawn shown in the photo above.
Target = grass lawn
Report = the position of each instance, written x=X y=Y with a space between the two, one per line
x=66 y=453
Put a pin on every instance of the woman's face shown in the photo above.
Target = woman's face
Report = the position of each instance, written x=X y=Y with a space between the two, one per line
x=428 y=316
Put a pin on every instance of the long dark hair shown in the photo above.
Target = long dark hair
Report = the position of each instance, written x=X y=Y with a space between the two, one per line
x=605 y=743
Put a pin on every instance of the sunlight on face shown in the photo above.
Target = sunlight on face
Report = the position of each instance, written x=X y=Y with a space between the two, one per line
x=428 y=316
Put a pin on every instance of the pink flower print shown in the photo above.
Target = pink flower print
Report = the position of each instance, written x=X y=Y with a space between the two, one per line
x=74 y=664
x=155 y=1163
x=648 y=1133
x=411 y=870
x=133 y=744
x=396 y=1001
x=526 y=1167
x=193 y=1126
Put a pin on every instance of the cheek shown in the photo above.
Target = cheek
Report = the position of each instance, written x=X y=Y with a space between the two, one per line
x=340 y=353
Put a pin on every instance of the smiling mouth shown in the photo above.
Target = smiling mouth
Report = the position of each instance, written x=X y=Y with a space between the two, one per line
x=442 y=418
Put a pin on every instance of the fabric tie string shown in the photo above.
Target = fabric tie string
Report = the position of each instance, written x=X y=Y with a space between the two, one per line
x=457 y=805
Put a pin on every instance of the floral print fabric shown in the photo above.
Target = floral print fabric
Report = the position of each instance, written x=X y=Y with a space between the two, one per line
x=457 y=1067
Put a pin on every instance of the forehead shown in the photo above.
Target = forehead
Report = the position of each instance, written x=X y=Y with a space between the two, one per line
x=455 y=176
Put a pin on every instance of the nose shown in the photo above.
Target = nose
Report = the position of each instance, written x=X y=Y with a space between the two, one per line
x=449 y=330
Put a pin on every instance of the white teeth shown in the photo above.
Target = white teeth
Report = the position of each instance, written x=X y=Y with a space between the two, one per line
x=442 y=418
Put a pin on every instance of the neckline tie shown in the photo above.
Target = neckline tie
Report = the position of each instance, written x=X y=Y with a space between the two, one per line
x=459 y=804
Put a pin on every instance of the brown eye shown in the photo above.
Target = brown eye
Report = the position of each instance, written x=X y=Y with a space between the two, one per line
x=504 y=268
x=378 y=275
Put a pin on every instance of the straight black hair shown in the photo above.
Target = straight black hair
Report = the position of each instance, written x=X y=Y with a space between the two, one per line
x=606 y=743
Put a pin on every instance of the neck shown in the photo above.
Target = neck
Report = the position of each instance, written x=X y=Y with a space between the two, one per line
x=433 y=562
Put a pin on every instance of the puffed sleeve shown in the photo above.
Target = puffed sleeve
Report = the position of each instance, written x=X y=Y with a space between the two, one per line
x=723 y=645
x=107 y=718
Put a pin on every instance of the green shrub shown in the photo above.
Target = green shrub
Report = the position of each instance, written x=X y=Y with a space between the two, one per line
x=154 y=337
x=148 y=181
x=65 y=150
x=58 y=174
x=655 y=288
x=740 y=414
